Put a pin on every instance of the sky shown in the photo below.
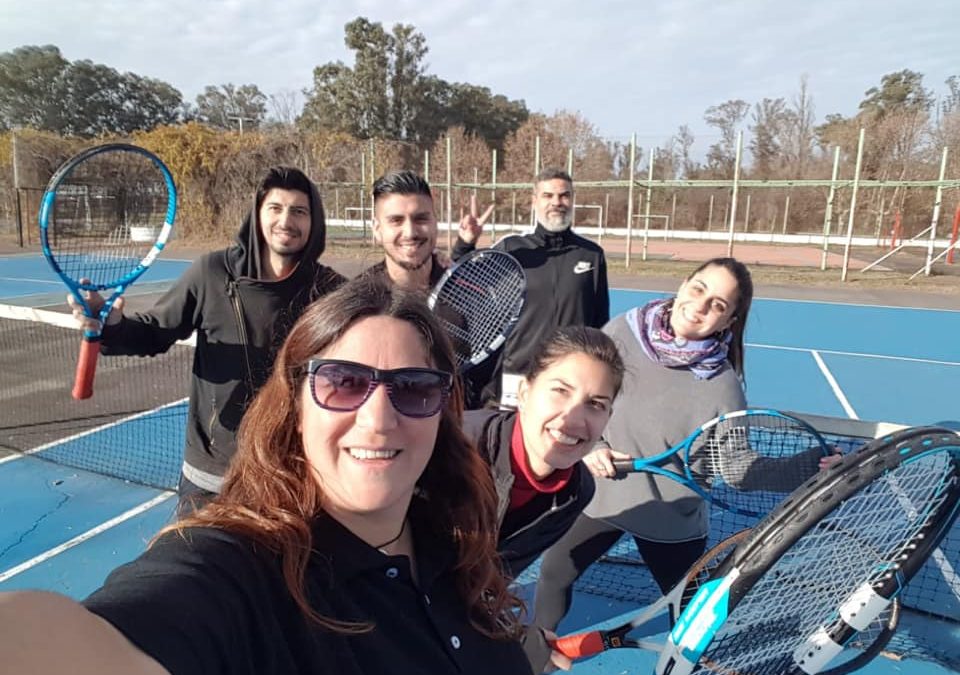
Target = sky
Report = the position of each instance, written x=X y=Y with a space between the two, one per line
x=635 y=66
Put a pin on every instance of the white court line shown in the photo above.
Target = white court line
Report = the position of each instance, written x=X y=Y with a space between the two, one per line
x=89 y=534
x=102 y=427
x=809 y=302
x=832 y=381
x=33 y=281
x=946 y=569
x=911 y=359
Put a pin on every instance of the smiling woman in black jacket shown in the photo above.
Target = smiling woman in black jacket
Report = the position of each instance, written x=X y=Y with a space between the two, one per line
x=565 y=401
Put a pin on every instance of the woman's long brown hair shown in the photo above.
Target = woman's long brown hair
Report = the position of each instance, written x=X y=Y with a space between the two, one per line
x=271 y=496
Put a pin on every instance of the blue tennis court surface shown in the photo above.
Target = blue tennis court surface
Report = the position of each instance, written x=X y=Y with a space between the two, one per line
x=66 y=528
x=28 y=280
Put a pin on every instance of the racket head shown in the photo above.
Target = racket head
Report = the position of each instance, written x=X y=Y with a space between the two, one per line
x=749 y=460
x=105 y=216
x=479 y=300
x=745 y=462
x=842 y=546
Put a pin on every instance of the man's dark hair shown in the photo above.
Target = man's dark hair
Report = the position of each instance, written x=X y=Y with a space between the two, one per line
x=284 y=178
x=552 y=173
x=400 y=183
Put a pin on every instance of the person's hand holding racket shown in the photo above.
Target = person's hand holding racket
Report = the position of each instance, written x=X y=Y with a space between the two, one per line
x=471 y=224
x=95 y=303
x=600 y=462
x=558 y=660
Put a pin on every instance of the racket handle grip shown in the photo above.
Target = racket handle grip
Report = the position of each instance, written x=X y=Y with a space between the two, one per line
x=624 y=465
x=579 y=645
x=86 y=369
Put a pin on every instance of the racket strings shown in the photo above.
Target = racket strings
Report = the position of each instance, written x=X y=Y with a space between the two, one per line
x=864 y=540
x=478 y=302
x=750 y=463
x=107 y=213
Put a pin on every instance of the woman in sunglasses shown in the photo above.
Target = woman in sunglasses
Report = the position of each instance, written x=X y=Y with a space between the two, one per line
x=354 y=534
x=565 y=400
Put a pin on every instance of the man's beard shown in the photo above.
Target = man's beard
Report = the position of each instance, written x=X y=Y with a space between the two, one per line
x=406 y=264
x=553 y=222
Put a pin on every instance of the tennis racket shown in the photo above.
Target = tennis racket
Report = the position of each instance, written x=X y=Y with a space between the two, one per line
x=478 y=301
x=745 y=462
x=859 y=649
x=105 y=216
x=825 y=564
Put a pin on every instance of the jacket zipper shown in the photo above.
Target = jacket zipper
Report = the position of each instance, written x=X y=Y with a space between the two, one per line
x=234 y=294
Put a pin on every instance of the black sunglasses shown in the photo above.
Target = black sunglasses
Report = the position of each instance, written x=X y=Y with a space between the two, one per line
x=344 y=386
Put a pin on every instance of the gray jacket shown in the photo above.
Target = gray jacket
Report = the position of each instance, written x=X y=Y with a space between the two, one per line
x=657 y=408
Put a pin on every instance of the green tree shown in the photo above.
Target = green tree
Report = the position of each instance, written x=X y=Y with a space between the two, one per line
x=484 y=114
x=30 y=87
x=726 y=117
x=951 y=102
x=902 y=92
x=96 y=100
x=770 y=123
x=388 y=94
x=229 y=107
x=42 y=90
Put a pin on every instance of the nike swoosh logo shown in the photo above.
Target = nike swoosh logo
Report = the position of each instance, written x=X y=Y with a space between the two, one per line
x=582 y=268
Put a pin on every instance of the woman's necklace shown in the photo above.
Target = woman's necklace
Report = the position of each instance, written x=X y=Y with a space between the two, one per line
x=384 y=545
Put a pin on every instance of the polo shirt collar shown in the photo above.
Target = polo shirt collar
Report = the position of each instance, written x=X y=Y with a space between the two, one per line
x=347 y=556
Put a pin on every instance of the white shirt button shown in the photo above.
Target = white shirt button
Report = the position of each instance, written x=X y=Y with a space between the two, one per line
x=455 y=641
x=393 y=573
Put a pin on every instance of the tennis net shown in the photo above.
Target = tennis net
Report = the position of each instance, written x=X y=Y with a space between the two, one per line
x=132 y=428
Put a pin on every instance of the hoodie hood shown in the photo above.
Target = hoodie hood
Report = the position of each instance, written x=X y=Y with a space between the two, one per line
x=243 y=258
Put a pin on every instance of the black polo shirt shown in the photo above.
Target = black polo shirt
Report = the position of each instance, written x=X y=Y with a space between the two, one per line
x=215 y=602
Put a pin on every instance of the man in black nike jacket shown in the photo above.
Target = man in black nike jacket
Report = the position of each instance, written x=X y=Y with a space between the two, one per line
x=566 y=280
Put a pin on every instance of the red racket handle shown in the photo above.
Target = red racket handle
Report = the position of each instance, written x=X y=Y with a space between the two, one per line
x=86 y=369
x=579 y=645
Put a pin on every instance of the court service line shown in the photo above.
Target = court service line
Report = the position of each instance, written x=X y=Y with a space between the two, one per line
x=807 y=301
x=832 y=381
x=868 y=305
x=89 y=534
x=837 y=352
x=82 y=434
x=32 y=281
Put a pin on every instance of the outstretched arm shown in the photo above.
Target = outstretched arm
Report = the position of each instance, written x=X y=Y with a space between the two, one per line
x=43 y=633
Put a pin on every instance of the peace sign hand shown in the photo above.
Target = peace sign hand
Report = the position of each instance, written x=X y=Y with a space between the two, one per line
x=471 y=225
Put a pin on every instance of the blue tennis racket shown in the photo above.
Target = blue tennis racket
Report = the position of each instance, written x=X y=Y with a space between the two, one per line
x=105 y=216
x=745 y=462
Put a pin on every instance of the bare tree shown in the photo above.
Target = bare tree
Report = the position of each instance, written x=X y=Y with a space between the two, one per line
x=799 y=136
x=285 y=107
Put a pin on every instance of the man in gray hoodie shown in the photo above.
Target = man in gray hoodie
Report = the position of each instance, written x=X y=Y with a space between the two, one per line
x=241 y=301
